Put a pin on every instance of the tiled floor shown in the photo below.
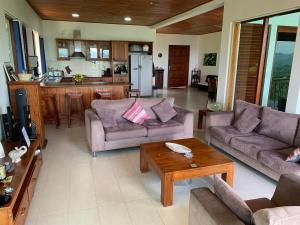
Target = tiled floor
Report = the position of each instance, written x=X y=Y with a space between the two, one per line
x=75 y=189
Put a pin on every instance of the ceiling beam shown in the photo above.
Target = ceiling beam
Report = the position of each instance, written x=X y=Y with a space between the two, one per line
x=191 y=13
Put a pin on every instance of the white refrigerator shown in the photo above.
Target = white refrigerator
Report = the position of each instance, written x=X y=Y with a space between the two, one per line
x=141 y=73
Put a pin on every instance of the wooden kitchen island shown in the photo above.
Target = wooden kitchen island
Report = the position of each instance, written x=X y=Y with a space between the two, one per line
x=87 y=89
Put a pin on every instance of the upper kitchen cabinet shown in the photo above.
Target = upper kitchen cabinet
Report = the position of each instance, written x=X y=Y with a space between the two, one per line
x=120 y=51
x=63 y=49
x=98 y=50
x=105 y=50
x=92 y=50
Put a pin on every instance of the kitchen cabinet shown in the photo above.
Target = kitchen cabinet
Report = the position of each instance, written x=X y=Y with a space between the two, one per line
x=105 y=50
x=122 y=79
x=120 y=51
x=63 y=49
x=92 y=50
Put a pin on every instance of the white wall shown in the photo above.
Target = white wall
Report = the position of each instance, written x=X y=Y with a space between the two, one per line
x=89 y=31
x=161 y=45
x=21 y=10
x=209 y=43
x=240 y=10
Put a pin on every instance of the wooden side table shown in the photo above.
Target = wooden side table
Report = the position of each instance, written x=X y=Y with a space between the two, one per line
x=202 y=113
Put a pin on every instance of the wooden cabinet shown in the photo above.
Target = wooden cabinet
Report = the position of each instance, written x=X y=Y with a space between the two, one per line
x=120 y=51
x=98 y=50
x=33 y=91
x=121 y=79
x=159 y=79
x=63 y=49
x=24 y=178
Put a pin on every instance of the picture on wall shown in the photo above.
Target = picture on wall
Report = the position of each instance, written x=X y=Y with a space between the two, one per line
x=210 y=59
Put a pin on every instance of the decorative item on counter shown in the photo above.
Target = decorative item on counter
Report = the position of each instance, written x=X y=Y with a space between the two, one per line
x=16 y=154
x=25 y=76
x=78 y=78
x=214 y=106
x=7 y=180
x=2 y=153
x=2 y=172
x=9 y=167
x=4 y=199
x=68 y=70
x=146 y=48
x=8 y=190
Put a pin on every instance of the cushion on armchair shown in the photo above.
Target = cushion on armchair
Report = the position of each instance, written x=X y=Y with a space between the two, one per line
x=136 y=114
x=237 y=205
x=164 y=110
x=246 y=122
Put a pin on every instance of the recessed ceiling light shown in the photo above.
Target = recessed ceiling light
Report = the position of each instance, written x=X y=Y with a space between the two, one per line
x=75 y=15
x=127 y=19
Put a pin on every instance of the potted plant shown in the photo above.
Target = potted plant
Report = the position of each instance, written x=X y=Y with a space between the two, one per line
x=78 y=78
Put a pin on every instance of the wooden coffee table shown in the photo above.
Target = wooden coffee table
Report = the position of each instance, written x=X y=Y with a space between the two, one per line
x=171 y=166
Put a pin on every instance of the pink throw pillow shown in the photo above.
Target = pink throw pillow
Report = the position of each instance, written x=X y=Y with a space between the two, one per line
x=136 y=114
x=294 y=156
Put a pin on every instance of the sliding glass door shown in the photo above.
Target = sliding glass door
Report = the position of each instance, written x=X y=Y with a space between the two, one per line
x=265 y=56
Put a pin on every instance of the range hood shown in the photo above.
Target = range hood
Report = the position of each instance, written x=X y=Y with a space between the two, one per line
x=78 y=54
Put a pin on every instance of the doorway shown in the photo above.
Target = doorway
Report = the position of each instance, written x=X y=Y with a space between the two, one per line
x=179 y=59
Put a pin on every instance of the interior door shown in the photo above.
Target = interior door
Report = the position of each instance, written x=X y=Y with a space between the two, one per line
x=179 y=58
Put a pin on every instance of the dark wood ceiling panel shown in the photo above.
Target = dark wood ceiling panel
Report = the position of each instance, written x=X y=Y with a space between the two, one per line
x=203 y=24
x=142 y=12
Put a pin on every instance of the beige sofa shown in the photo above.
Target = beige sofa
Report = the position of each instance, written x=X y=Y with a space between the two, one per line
x=127 y=134
x=283 y=209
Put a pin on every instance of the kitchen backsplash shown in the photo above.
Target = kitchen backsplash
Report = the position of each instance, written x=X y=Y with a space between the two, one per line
x=80 y=66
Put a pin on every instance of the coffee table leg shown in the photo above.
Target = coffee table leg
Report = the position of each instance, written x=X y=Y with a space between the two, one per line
x=228 y=176
x=144 y=166
x=167 y=190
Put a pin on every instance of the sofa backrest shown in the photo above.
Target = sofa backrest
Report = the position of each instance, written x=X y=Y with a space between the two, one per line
x=148 y=103
x=279 y=125
x=241 y=105
x=121 y=106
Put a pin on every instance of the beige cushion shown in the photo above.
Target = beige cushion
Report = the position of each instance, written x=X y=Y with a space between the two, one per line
x=289 y=215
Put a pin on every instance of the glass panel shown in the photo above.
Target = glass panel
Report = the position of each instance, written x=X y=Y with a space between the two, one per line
x=106 y=54
x=93 y=53
x=248 y=60
x=63 y=53
x=282 y=37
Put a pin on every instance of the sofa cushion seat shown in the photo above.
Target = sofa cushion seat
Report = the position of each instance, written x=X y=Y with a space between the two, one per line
x=225 y=134
x=157 y=128
x=125 y=130
x=252 y=145
x=276 y=161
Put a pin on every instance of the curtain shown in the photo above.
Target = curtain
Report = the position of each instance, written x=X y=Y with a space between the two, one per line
x=19 y=45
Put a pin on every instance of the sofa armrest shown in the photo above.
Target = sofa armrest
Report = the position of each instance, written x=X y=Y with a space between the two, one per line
x=289 y=215
x=287 y=192
x=187 y=118
x=217 y=119
x=94 y=131
x=207 y=209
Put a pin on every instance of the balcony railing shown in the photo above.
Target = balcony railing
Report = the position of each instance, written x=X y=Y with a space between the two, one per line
x=279 y=90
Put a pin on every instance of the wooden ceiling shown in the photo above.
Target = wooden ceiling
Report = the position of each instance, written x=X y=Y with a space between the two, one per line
x=142 y=12
x=203 y=24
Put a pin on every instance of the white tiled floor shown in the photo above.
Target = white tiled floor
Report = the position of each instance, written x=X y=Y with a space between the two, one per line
x=75 y=189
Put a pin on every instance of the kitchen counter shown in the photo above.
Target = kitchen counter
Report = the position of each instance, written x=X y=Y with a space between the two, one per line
x=88 y=89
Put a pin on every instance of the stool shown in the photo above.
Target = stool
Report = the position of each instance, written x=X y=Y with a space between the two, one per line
x=104 y=94
x=51 y=110
x=134 y=93
x=75 y=99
